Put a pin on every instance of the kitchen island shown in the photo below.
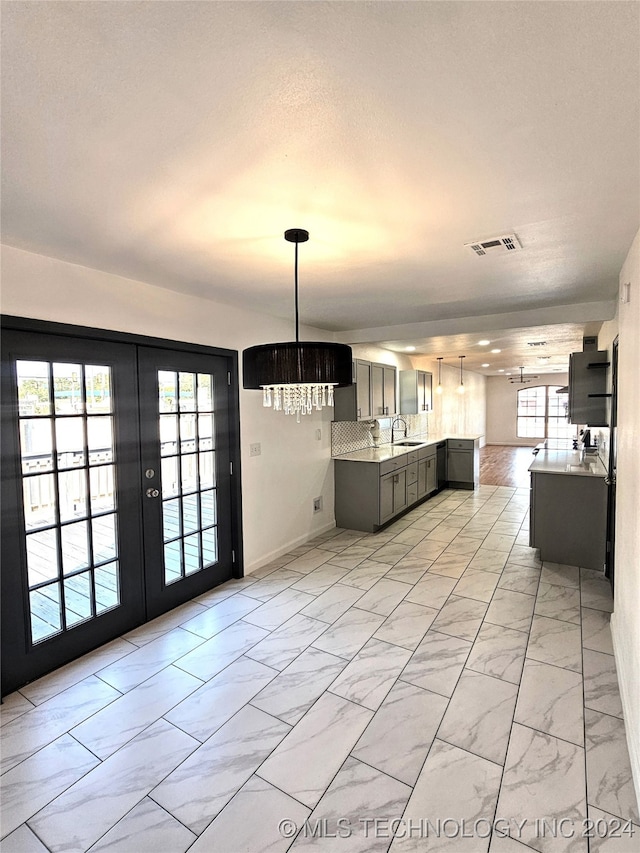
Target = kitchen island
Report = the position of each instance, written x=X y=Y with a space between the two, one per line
x=568 y=502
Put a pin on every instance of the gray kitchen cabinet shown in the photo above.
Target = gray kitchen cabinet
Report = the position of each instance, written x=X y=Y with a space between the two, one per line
x=415 y=392
x=383 y=390
x=568 y=519
x=354 y=403
x=588 y=398
x=463 y=463
x=393 y=494
x=368 y=495
x=427 y=472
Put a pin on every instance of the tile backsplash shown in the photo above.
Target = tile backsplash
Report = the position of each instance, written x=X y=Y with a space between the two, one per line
x=347 y=436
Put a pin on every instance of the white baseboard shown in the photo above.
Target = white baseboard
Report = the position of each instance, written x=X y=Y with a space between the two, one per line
x=299 y=540
x=630 y=708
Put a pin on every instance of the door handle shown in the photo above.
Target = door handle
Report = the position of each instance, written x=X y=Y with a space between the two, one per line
x=152 y=493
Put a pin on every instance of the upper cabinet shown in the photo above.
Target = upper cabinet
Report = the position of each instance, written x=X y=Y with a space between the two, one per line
x=415 y=392
x=588 y=397
x=372 y=395
x=383 y=390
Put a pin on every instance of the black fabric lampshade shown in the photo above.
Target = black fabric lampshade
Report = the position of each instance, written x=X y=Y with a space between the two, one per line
x=292 y=362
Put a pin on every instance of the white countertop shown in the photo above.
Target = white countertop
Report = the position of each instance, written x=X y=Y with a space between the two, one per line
x=389 y=451
x=574 y=462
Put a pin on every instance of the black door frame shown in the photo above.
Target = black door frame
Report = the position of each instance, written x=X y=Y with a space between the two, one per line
x=613 y=459
x=11 y=582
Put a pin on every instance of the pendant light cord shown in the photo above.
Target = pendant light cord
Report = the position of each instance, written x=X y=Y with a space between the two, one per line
x=296 y=289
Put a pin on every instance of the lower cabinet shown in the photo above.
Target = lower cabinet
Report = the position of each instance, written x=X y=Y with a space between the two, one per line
x=393 y=494
x=427 y=474
x=568 y=519
x=369 y=494
x=463 y=463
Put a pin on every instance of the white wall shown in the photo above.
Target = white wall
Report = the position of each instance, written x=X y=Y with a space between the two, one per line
x=502 y=401
x=368 y=352
x=278 y=487
x=453 y=413
x=625 y=622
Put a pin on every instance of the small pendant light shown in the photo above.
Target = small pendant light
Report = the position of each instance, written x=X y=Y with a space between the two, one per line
x=297 y=377
x=461 y=385
x=439 y=385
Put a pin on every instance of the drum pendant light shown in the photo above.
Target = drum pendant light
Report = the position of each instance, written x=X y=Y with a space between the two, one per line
x=297 y=377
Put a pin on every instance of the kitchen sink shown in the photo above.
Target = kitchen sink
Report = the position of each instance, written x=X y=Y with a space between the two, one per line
x=408 y=443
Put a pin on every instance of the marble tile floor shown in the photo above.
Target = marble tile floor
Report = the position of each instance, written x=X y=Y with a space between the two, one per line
x=434 y=675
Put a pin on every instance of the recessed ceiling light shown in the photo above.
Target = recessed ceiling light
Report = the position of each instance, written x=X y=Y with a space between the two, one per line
x=410 y=349
x=508 y=374
x=496 y=350
x=501 y=370
x=484 y=343
x=485 y=365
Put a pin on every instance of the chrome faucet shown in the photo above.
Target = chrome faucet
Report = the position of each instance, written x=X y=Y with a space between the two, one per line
x=393 y=423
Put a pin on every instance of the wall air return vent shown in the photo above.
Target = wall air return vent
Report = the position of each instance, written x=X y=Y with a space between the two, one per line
x=494 y=245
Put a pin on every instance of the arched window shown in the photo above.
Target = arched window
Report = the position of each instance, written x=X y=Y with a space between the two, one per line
x=542 y=413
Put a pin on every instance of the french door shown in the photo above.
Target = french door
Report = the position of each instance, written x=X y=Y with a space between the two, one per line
x=117 y=491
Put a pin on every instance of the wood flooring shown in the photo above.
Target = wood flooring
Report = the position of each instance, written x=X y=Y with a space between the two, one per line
x=505 y=466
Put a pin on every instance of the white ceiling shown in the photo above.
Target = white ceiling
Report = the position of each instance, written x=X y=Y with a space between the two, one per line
x=174 y=142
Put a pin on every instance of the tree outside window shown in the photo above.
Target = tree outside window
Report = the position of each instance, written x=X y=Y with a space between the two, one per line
x=542 y=413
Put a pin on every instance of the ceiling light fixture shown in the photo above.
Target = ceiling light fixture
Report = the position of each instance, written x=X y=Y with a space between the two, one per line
x=496 y=350
x=485 y=365
x=297 y=377
x=461 y=385
x=483 y=343
x=410 y=349
x=439 y=385
x=521 y=380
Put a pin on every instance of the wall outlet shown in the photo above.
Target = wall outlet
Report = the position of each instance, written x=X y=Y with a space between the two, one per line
x=318 y=435
x=317 y=504
x=255 y=449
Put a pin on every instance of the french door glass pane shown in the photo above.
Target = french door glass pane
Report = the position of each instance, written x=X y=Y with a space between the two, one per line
x=75 y=547
x=189 y=496
x=36 y=445
x=67 y=389
x=107 y=586
x=34 y=390
x=187 y=384
x=72 y=487
x=39 y=500
x=70 y=442
x=46 y=618
x=98 y=389
x=101 y=483
x=77 y=598
x=66 y=428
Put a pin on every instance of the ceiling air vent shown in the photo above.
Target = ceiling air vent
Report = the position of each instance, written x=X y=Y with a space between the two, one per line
x=504 y=244
x=536 y=343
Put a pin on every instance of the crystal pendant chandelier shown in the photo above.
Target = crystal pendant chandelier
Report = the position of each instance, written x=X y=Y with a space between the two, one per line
x=297 y=377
